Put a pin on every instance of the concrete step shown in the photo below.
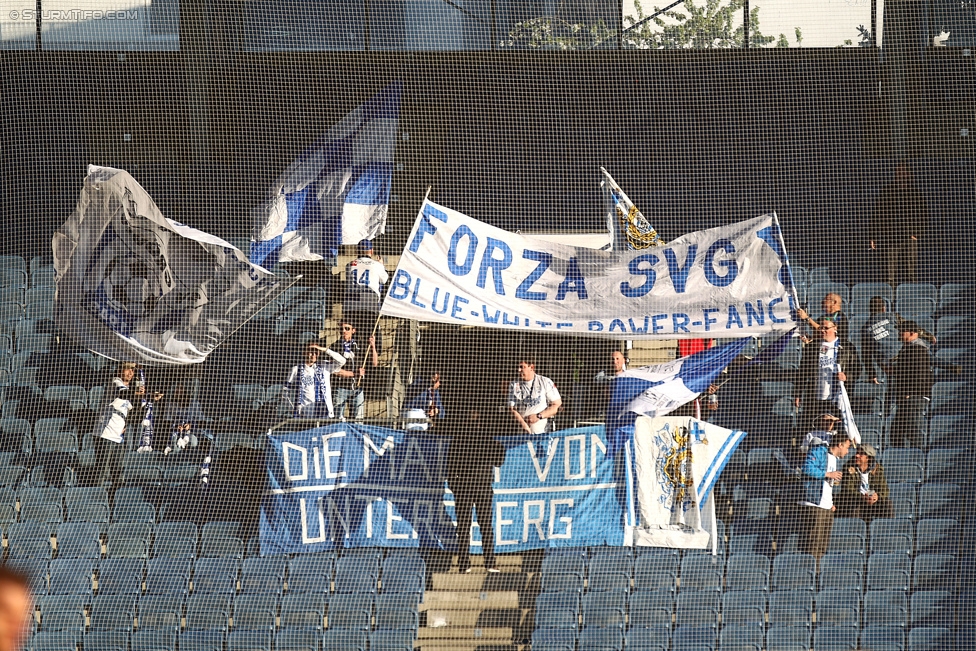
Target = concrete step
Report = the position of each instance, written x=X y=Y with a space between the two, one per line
x=468 y=645
x=513 y=618
x=479 y=580
x=465 y=633
x=478 y=601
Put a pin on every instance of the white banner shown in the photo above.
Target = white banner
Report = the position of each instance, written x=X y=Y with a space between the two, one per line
x=731 y=281
x=678 y=461
x=134 y=285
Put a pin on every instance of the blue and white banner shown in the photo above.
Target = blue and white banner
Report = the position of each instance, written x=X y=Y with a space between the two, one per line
x=723 y=282
x=629 y=229
x=335 y=193
x=349 y=485
x=679 y=462
x=133 y=285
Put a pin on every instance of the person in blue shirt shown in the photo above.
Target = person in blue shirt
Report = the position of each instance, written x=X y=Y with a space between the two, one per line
x=424 y=401
x=821 y=473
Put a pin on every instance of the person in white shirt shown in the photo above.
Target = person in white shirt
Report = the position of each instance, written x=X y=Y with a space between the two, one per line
x=312 y=383
x=110 y=431
x=366 y=278
x=817 y=507
x=533 y=399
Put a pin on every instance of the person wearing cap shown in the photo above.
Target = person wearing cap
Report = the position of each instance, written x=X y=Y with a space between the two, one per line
x=910 y=381
x=822 y=368
x=311 y=382
x=820 y=472
x=864 y=489
x=424 y=401
x=366 y=278
x=119 y=404
x=349 y=379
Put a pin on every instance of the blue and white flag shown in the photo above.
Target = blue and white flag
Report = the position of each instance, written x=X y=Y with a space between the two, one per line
x=629 y=229
x=133 y=285
x=660 y=389
x=337 y=192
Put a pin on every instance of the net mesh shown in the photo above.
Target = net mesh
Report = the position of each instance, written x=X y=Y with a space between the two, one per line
x=305 y=487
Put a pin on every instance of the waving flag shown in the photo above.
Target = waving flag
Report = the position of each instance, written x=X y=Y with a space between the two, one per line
x=134 y=285
x=335 y=193
x=629 y=229
x=660 y=389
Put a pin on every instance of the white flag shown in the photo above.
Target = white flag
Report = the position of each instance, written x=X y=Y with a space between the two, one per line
x=134 y=285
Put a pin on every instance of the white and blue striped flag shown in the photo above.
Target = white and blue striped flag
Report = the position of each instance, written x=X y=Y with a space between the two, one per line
x=337 y=192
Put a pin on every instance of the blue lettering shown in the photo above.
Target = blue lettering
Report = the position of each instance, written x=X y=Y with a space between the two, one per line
x=560 y=326
x=679 y=276
x=505 y=320
x=544 y=260
x=400 y=288
x=680 y=322
x=655 y=328
x=459 y=303
x=425 y=226
x=463 y=269
x=708 y=320
x=635 y=269
x=594 y=326
x=733 y=317
x=544 y=324
x=489 y=261
x=416 y=290
x=573 y=282
x=489 y=319
x=617 y=323
x=731 y=266
x=433 y=303
x=755 y=313
x=639 y=331
x=772 y=315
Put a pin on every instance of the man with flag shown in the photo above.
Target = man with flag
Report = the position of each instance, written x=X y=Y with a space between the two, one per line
x=823 y=370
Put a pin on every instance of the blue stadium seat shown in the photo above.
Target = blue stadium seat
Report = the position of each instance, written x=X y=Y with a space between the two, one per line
x=743 y=608
x=36 y=571
x=892 y=536
x=351 y=611
x=55 y=641
x=341 y=640
x=63 y=612
x=255 y=612
x=274 y=565
x=889 y=572
x=885 y=608
x=207 y=612
x=563 y=572
x=794 y=572
x=954 y=331
x=848 y=535
x=304 y=610
x=949 y=465
x=600 y=639
x=742 y=638
x=841 y=608
x=87 y=504
x=78 y=540
x=842 y=571
x=605 y=609
x=107 y=641
x=113 y=612
x=128 y=540
x=303 y=639
x=934 y=572
x=750 y=540
x=955 y=298
x=904 y=500
x=916 y=299
x=903 y=465
x=835 y=638
x=939 y=501
x=261 y=584
x=118 y=576
x=948 y=431
x=655 y=572
x=691 y=638
x=162 y=612
x=651 y=609
x=657 y=638
x=142 y=512
x=198 y=640
x=142 y=469
x=788 y=638
x=397 y=611
x=697 y=608
x=356 y=575
x=381 y=640
x=933 y=608
x=248 y=640
x=871 y=428
x=71 y=576
x=610 y=573
x=949 y=436
x=405 y=574
x=702 y=572
x=311 y=573
x=882 y=638
x=949 y=398
x=791 y=608
x=221 y=566
x=748 y=572
x=167 y=576
x=554 y=639
x=928 y=638
x=557 y=610
x=175 y=540
x=153 y=640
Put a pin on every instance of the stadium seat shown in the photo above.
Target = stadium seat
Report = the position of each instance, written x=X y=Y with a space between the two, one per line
x=273 y=565
x=29 y=540
x=351 y=611
x=199 y=640
x=697 y=608
x=748 y=572
x=303 y=610
x=55 y=641
x=939 y=501
x=916 y=299
x=120 y=576
x=948 y=431
x=175 y=540
x=889 y=572
x=872 y=429
x=254 y=612
x=954 y=331
x=835 y=638
x=250 y=640
x=949 y=398
x=106 y=641
x=955 y=298
x=154 y=640
x=404 y=574
x=71 y=576
x=651 y=609
x=604 y=609
x=885 y=608
x=929 y=638
x=554 y=639
x=933 y=572
x=162 y=612
x=261 y=584
x=78 y=540
x=794 y=572
x=311 y=573
x=113 y=612
x=691 y=638
x=648 y=639
x=742 y=608
x=142 y=468
x=655 y=572
x=933 y=608
x=842 y=571
x=610 y=573
x=904 y=500
x=702 y=572
x=563 y=572
x=383 y=640
x=128 y=540
x=742 y=638
x=892 y=535
x=903 y=465
x=63 y=612
x=167 y=576
x=946 y=356
x=882 y=638
x=143 y=512
x=342 y=640
x=304 y=639
x=207 y=612
x=949 y=465
x=599 y=639
x=840 y=608
x=217 y=576
x=791 y=608
x=397 y=611
x=788 y=638
x=356 y=575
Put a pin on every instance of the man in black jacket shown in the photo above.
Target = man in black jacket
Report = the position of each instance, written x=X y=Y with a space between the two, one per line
x=822 y=367
x=910 y=385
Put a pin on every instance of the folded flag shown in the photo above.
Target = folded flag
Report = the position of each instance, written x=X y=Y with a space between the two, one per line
x=660 y=389
x=629 y=229
x=337 y=192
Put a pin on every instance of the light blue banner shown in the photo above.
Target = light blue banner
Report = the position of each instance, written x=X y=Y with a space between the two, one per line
x=348 y=485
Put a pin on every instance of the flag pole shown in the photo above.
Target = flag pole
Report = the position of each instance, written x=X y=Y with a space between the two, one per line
x=786 y=261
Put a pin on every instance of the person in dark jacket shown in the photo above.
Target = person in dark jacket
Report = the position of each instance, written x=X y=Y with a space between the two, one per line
x=471 y=460
x=864 y=490
x=899 y=221
x=822 y=368
x=910 y=382
x=879 y=339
